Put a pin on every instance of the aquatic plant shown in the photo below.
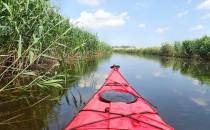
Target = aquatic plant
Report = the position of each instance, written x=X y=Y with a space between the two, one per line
x=35 y=39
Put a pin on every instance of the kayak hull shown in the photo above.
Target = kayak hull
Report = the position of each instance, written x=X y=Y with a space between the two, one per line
x=98 y=114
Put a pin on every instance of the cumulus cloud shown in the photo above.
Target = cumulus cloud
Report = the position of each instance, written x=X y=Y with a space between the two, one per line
x=161 y=30
x=182 y=14
x=207 y=16
x=204 y=5
x=141 y=25
x=99 y=19
x=91 y=2
x=197 y=27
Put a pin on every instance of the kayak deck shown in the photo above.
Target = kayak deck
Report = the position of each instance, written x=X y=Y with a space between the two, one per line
x=99 y=114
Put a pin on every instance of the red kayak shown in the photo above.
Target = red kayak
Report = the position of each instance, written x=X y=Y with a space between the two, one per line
x=117 y=106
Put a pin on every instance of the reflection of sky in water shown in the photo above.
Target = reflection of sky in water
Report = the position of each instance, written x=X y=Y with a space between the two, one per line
x=95 y=79
x=159 y=74
x=139 y=77
x=182 y=101
x=194 y=81
x=200 y=101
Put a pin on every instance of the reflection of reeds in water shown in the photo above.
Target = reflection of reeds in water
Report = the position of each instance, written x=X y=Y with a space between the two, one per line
x=78 y=99
x=18 y=112
x=197 y=69
x=18 y=107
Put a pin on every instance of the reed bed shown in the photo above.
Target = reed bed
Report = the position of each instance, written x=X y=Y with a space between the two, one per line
x=198 y=48
x=36 y=40
x=41 y=54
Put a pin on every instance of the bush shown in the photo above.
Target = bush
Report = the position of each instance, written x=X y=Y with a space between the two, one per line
x=178 y=49
x=204 y=46
x=167 y=49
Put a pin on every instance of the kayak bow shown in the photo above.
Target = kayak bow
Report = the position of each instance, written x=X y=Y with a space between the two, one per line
x=117 y=106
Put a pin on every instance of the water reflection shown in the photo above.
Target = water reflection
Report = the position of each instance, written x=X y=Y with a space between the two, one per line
x=47 y=110
x=200 y=101
x=179 y=89
x=197 y=70
x=172 y=85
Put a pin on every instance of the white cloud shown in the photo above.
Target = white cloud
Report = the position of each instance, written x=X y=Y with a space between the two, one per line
x=99 y=19
x=91 y=2
x=182 y=14
x=161 y=30
x=207 y=16
x=204 y=5
x=197 y=27
x=141 y=25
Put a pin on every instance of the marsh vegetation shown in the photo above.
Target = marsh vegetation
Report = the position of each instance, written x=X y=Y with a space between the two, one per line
x=35 y=41
x=198 y=48
x=41 y=54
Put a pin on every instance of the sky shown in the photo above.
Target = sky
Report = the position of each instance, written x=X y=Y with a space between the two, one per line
x=141 y=23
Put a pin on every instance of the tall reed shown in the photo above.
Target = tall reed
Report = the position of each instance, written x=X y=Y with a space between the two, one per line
x=33 y=35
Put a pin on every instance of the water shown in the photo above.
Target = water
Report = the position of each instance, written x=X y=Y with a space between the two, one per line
x=180 y=89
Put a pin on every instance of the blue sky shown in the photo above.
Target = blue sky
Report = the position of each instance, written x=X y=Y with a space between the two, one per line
x=139 y=23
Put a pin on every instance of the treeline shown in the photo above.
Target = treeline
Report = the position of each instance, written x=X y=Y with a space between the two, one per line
x=198 y=48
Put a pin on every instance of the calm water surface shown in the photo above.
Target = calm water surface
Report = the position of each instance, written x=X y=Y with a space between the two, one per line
x=180 y=93
x=179 y=89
